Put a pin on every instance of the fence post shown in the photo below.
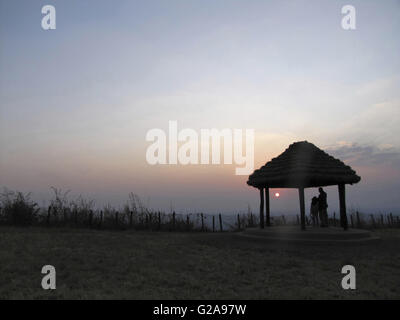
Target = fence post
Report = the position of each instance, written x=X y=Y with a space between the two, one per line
x=220 y=222
x=90 y=217
x=65 y=215
x=159 y=220
x=391 y=219
x=116 y=218
x=334 y=218
x=130 y=219
x=213 y=223
x=48 y=215
x=283 y=219
x=358 y=220
x=101 y=218
x=238 y=219
x=202 y=221
x=187 y=222
x=173 y=220
x=76 y=216
x=351 y=220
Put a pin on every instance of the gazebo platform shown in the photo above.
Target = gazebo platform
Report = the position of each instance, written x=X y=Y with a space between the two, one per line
x=312 y=235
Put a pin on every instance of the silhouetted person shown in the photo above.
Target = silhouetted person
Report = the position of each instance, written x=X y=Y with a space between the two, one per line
x=322 y=207
x=314 y=211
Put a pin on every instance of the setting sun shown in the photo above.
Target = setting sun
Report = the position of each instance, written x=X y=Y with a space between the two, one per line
x=277 y=195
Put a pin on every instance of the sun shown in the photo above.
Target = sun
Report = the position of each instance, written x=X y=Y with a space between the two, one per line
x=277 y=195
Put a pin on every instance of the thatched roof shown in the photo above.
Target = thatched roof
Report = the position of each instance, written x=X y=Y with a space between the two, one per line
x=303 y=164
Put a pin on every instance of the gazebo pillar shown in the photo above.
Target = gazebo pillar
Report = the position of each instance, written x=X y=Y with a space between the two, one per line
x=302 y=209
x=262 y=208
x=267 y=212
x=342 y=203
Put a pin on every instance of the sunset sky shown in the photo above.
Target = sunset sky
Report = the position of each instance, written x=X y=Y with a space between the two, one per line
x=76 y=102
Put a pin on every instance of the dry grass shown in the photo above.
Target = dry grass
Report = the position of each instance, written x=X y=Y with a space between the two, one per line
x=149 y=265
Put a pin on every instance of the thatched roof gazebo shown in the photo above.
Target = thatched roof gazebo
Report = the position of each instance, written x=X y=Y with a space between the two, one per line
x=302 y=165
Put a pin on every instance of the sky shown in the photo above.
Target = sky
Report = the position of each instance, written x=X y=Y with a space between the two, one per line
x=76 y=102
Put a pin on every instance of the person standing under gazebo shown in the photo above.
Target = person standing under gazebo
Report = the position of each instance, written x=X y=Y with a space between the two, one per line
x=323 y=207
x=314 y=211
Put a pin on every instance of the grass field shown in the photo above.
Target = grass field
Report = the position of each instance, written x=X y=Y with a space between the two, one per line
x=165 y=265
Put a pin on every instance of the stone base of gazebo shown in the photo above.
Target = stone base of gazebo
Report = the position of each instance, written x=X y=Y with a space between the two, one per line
x=311 y=235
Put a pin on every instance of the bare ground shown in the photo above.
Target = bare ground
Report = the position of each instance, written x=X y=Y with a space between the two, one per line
x=165 y=265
